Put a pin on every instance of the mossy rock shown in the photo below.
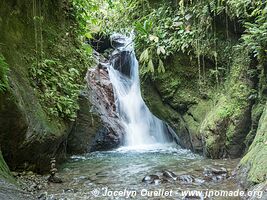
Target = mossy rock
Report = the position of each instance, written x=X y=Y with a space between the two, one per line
x=29 y=135
x=228 y=123
x=4 y=170
x=174 y=97
x=255 y=161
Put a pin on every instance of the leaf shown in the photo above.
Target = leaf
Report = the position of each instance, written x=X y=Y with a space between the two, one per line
x=88 y=35
x=139 y=28
x=177 y=24
x=74 y=71
x=160 y=50
x=161 y=68
x=144 y=56
x=148 y=25
x=151 y=66
x=153 y=38
x=59 y=107
x=188 y=16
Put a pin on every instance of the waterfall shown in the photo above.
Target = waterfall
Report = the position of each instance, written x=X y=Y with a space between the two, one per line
x=142 y=127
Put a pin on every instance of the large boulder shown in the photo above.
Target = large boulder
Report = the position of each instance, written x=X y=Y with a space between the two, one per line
x=175 y=98
x=214 y=121
x=252 y=169
x=101 y=96
x=85 y=128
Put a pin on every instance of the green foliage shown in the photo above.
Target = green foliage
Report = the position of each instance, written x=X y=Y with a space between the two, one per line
x=255 y=36
x=60 y=84
x=190 y=27
x=3 y=74
x=83 y=13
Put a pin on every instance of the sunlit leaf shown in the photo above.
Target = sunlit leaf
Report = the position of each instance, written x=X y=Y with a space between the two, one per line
x=151 y=66
x=161 y=68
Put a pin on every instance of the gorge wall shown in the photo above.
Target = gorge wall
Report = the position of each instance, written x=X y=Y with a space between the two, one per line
x=37 y=36
x=216 y=121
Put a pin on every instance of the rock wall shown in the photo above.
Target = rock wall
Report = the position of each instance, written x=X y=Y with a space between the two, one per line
x=175 y=97
x=216 y=121
x=29 y=137
x=252 y=169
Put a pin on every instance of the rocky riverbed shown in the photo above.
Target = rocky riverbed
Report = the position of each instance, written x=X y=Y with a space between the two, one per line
x=145 y=173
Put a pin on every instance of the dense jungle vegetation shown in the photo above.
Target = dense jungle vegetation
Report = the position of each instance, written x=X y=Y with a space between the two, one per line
x=202 y=65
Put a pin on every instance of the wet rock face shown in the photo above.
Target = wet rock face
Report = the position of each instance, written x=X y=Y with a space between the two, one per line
x=101 y=96
x=121 y=62
x=214 y=125
x=85 y=127
x=29 y=139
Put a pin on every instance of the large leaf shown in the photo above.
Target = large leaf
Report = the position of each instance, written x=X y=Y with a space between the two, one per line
x=151 y=66
x=144 y=56
x=161 y=68
x=161 y=50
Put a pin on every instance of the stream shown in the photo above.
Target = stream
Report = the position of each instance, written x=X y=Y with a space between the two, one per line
x=102 y=175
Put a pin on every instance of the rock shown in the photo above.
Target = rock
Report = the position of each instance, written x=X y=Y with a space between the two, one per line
x=101 y=96
x=85 y=127
x=15 y=174
x=169 y=175
x=215 y=174
x=150 y=179
x=54 y=179
x=215 y=171
x=252 y=168
x=122 y=62
x=8 y=190
x=39 y=187
x=199 y=181
x=42 y=196
x=186 y=179
x=29 y=173
x=27 y=132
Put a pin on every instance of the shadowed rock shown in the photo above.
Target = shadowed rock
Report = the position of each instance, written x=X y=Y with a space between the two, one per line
x=101 y=96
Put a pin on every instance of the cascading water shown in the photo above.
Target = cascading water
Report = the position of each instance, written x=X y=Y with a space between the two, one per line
x=142 y=127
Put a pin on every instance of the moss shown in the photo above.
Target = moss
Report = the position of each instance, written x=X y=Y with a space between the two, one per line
x=156 y=105
x=24 y=117
x=228 y=122
x=178 y=85
x=3 y=74
x=4 y=170
x=257 y=110
x=255 y=161
x=196 y=114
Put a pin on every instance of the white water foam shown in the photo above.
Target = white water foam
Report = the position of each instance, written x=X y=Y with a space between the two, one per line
x=143 y=129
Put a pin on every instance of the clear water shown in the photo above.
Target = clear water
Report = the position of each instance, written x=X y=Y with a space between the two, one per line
x=125 y=168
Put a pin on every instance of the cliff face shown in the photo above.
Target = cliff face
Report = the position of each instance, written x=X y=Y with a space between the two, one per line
x=31 y=33
x=252 y=169
x=216 y=121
